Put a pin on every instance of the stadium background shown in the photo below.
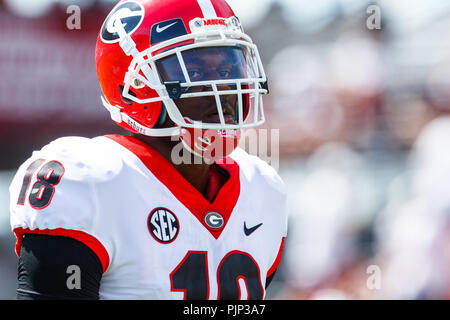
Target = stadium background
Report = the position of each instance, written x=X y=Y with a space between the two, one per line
x=364 y=132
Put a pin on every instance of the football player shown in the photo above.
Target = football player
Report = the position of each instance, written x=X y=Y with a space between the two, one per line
x=131 y=216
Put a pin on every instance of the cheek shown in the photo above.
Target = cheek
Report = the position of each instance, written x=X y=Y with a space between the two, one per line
x=233 y=99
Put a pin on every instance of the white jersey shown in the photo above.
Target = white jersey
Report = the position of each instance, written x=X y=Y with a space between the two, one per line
x=156 y=236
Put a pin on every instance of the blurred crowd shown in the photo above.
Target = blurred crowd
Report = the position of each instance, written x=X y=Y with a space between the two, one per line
x=364 y=120
x=365 y=126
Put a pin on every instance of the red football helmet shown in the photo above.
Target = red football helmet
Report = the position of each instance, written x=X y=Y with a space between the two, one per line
x=147 y=60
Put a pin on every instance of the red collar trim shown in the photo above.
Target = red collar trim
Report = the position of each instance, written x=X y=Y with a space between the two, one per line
x=164 y=171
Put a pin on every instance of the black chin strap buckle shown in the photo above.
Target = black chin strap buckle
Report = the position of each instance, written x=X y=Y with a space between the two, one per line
x=265 y=86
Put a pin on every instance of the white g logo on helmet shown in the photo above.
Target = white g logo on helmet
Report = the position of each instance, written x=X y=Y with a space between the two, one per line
x=129 y=14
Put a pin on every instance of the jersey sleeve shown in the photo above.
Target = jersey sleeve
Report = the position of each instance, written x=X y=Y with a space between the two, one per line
x=265 y=181
x=53 y=193
x=278 y=189
x=268 y=188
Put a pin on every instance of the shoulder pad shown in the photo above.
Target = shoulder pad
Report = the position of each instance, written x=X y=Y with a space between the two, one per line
x=83 y=159
x=55 y=188
x=255 y=168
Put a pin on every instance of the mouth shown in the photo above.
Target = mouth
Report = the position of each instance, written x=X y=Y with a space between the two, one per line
x=215 y=118
x=229 y=115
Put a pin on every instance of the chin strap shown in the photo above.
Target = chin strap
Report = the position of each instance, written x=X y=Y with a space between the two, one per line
x=209 y=144
x=118 y=116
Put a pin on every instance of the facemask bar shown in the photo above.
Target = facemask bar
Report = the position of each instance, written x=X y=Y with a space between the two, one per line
x=216 y=39
x=144 y=69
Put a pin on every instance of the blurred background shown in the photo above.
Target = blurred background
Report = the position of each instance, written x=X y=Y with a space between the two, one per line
x=364 y=120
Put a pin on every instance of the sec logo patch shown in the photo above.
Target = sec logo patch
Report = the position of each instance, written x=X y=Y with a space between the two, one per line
x=163 y=225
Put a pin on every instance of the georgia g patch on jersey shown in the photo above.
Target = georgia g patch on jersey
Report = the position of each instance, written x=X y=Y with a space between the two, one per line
x=156 y=236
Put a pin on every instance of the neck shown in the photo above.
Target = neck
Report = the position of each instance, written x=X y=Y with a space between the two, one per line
x=195 y=172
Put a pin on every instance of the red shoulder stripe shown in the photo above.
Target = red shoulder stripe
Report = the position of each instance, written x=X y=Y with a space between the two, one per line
x=277 y=260
x=81 y=236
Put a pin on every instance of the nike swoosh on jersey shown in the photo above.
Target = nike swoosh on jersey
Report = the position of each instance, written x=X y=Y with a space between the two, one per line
x=160 y=29
x=249 y=231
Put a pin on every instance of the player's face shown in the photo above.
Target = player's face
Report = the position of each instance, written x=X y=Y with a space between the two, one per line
x=205 y=64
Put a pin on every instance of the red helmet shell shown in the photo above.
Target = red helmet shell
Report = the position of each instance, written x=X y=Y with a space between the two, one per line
x=112 y=63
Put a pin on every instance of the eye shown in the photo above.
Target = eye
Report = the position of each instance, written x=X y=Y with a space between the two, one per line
x=194 y=74
x=225 y=73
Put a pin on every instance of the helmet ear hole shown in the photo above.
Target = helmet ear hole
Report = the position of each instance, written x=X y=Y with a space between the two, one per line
x=126 y=100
